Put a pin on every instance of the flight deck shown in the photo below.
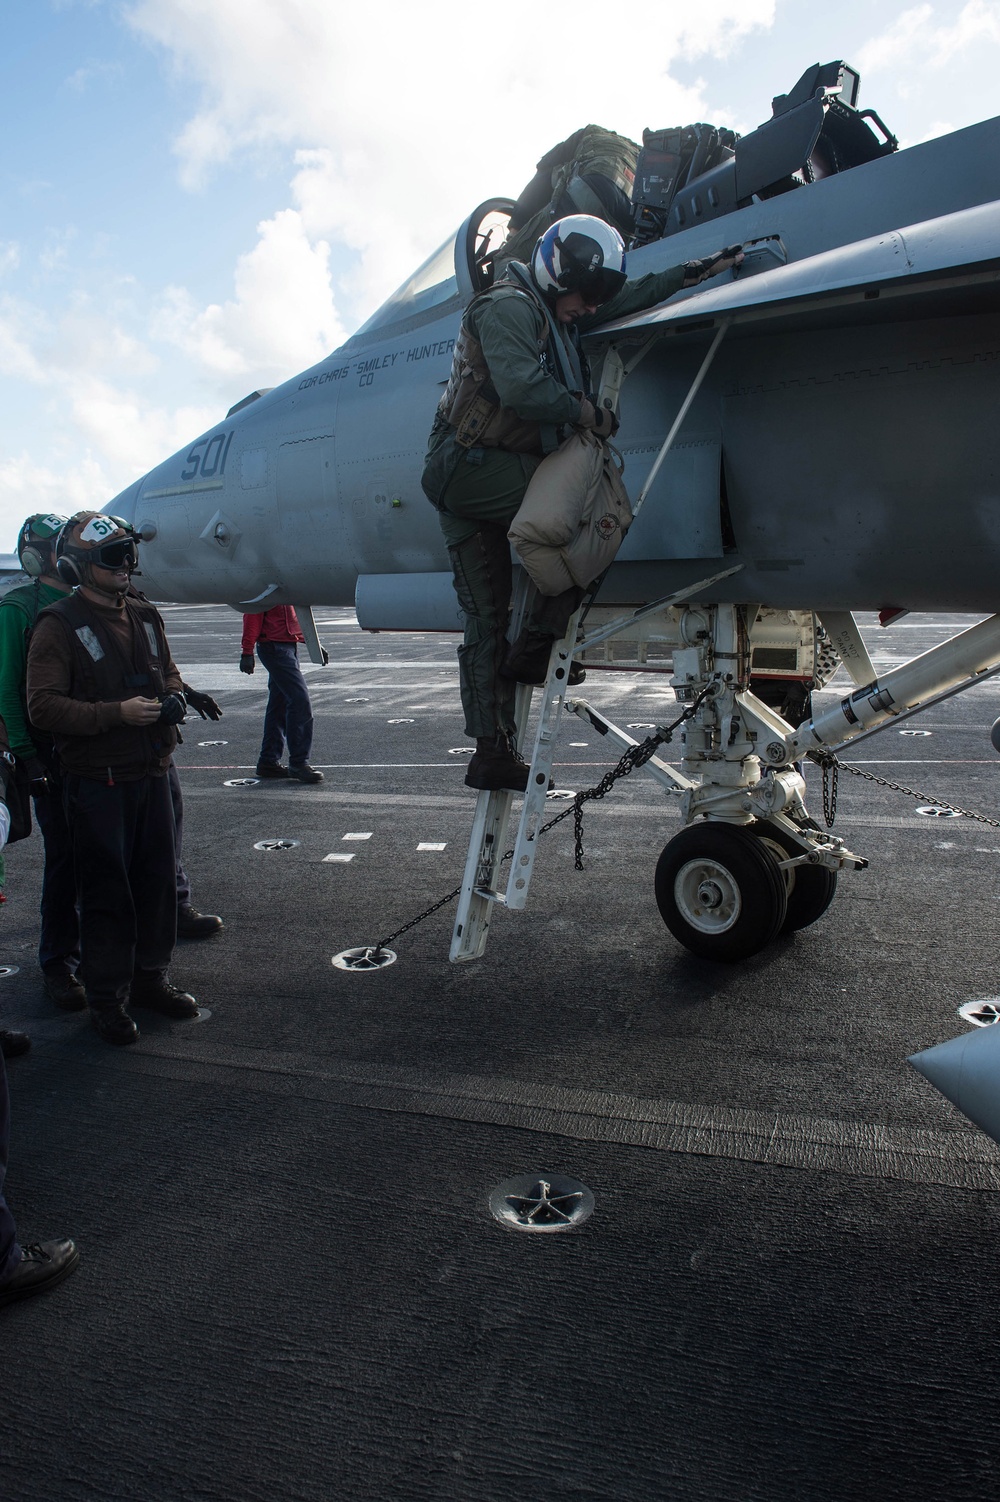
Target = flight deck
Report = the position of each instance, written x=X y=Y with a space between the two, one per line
x=291 y=1283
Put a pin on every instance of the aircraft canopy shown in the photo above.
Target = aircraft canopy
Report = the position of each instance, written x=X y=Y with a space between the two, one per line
x=432 y=283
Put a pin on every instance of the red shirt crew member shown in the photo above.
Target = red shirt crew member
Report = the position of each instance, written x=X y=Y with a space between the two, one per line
x=288 y=718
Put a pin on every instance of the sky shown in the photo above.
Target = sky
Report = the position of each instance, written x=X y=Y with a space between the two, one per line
x=202 y=197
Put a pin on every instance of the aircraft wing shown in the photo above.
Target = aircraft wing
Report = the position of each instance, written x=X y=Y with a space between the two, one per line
x=944 y=259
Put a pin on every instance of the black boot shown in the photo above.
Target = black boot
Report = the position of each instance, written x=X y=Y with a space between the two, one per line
x=63 y=987
x=496 y=765
x=527 y=661
x=13 y=1044
x=194 y=925
x=113 y=1024
x=42 y=1266
x=153 y=989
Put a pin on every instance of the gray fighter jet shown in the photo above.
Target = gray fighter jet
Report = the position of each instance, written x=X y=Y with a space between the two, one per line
x=815 y=436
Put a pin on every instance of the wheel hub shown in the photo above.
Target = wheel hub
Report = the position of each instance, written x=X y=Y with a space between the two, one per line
x=707 y=896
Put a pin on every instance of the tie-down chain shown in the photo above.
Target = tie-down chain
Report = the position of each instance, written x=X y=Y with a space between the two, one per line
x=634 y=756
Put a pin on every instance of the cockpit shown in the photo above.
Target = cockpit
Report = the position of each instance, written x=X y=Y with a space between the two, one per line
x=676 y=178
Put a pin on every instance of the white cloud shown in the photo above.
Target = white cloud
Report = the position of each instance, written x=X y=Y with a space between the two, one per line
x=105 y=425
x=129 y=431
x=917 y=37
x=397 y=134
x=17 y=356
x=94 y=71
x=392 y=138
x=27 y=486
x=281 y=319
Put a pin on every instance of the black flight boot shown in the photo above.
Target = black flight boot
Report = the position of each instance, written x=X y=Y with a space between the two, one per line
x=527 y=661
x=152 y=989
x=496 y=765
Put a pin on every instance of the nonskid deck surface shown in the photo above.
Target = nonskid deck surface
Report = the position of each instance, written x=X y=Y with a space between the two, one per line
x=290 y=1283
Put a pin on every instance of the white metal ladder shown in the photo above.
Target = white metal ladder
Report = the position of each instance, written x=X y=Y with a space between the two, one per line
x=482 y=882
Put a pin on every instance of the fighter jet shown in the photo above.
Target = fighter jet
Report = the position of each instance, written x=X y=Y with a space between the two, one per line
x=812 y=437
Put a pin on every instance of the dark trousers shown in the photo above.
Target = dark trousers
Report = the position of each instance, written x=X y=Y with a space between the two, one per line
x=60 y=933
x=475 y=510
x=60 y=930
x=177 y=804
x=126 y=881
x=10 y=1252
x=289 y=715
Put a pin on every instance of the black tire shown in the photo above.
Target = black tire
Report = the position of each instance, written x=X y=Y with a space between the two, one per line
x=720 y=892
x=809 y=890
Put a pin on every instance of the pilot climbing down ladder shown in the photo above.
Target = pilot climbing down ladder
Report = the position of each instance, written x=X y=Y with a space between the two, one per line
x=518 y=387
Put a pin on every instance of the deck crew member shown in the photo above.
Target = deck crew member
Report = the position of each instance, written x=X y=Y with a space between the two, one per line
x=59 y=937
x=288 y=718
x=102 y=682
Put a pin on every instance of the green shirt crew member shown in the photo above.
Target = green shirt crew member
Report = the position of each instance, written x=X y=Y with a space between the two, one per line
x=518 y=386
x=59 y=932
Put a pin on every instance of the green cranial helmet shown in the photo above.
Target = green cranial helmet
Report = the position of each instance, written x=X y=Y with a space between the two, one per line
x=36 y=541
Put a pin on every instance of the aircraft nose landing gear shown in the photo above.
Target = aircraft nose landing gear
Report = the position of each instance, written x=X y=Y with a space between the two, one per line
x=720 y=891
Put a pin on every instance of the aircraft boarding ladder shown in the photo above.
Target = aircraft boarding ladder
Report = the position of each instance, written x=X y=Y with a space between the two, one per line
x=482 y=882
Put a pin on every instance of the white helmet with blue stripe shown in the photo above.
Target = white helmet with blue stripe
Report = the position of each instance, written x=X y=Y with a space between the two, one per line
x=580 y=254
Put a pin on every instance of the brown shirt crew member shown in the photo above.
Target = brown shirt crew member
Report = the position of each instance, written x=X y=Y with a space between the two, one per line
x=102 y=681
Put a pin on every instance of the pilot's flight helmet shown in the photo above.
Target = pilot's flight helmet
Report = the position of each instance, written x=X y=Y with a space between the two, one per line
x=91 y=537
x=35 y=543
x=580 y=254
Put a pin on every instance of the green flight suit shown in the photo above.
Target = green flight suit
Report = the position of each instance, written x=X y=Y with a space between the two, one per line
x=477 y=491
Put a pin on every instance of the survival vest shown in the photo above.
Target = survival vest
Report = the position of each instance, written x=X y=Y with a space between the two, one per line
x=102 y=674
x=471 y=404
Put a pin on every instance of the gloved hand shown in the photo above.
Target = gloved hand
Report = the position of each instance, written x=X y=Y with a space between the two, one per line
x=325 y=655
x=247 y=662
x=720 y=260
x=172 y=709
x=203 y=703
x=38 y=774
x=602 y=421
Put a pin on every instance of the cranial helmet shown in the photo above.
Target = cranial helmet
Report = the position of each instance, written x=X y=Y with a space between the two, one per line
x=35 y=543
x=580 y=254
x=90 y=537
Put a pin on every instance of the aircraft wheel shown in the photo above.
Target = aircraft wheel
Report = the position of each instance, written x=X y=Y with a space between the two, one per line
x=719 y=891
x=809 y=890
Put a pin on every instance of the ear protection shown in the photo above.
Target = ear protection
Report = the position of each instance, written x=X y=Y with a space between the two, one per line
x=36 y=541
x=68 y=571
